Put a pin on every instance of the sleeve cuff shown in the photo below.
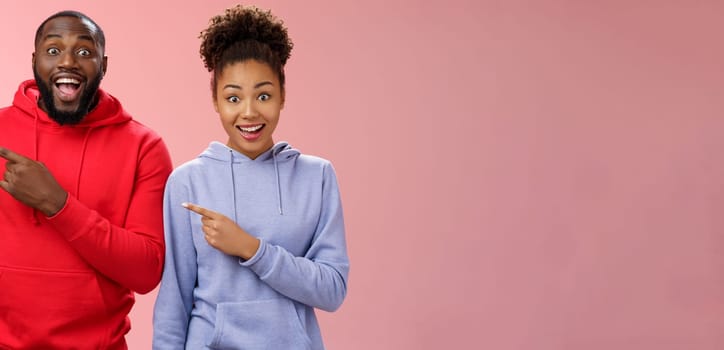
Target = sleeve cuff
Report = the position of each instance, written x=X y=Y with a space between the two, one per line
x=67 y=199
x=71 y=219
x=259 y=253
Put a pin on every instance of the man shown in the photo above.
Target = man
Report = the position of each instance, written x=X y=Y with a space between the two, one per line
x=80 y=208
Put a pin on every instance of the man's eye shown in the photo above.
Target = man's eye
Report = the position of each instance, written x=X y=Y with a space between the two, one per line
x=264 y=97
x=233 y=99
x=83 y=52
x=53 y=51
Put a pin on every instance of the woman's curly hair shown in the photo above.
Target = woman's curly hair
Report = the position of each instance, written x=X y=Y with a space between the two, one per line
x=242 y=33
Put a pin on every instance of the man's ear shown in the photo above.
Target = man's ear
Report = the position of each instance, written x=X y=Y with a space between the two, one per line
x=104 y=65
x=33 y=61
x=283 y=99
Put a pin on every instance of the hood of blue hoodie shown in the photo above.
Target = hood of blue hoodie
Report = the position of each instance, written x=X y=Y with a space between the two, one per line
x=279 y=153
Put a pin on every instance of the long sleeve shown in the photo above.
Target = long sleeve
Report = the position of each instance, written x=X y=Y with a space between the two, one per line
x=175 y=297
x=131 y=255
x=319 y=278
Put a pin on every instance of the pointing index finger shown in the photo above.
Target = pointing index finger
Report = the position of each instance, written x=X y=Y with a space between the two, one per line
x=199 y=210
x=10 y=155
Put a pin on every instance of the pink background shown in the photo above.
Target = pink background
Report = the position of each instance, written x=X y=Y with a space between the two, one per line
x=515 y=175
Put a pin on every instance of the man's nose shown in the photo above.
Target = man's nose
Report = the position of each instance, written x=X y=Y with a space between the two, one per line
x=67 y=59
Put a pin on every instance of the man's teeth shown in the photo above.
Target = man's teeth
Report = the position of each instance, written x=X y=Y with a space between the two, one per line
x=67 y=81
x=252 y=128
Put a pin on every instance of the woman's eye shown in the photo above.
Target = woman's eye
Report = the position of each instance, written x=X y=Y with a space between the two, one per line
x=264 y=97
x=233 y=99
x=83 y=52
x=53 y=51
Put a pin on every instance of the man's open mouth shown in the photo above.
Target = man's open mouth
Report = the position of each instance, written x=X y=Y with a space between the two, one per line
x=68 y=89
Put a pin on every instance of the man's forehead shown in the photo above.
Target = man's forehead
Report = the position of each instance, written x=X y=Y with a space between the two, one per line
x=69 y=25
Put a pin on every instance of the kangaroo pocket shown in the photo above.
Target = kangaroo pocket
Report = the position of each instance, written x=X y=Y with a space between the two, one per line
x=259 y=324
x=51 y=309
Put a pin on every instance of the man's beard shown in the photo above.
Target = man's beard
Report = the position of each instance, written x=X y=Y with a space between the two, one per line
x=86 y=104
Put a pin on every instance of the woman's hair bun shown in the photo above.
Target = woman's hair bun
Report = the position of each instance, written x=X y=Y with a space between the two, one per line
x=242 y=23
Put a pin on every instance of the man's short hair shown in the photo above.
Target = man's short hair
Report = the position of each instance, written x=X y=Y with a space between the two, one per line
x=68 y=13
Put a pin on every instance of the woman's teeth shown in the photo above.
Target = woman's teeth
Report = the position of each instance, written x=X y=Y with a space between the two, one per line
x=251 y=128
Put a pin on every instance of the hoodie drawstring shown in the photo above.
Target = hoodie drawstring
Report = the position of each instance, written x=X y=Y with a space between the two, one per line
x=233 y=182
x=35 y=137
x=33 y=212
x=81 y=161
x=279 y=184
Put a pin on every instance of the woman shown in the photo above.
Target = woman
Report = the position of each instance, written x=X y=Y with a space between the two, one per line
x=254 y=229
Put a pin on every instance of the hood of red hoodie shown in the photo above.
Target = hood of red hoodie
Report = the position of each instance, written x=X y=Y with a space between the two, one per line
x=108 y=110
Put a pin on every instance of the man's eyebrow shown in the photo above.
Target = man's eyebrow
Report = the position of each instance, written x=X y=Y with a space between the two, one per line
x=86 y=37
x=50 y=36
x=82 y=37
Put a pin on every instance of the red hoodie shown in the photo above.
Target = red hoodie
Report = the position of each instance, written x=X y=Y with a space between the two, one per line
x=67 y=282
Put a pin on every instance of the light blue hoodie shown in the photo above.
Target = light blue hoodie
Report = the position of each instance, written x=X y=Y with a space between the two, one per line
x=210 y=300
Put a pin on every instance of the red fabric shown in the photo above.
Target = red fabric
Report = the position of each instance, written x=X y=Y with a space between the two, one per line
x=68 y=281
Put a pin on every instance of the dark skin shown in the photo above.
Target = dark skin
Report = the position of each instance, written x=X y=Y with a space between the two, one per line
x=31 y=183
x=68 y=48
